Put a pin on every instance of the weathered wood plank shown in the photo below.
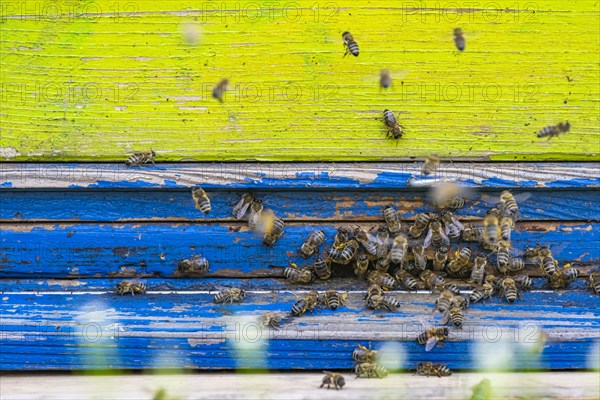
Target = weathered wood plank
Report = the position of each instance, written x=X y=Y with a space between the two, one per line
x=114 y=81
x=296 y=176
x=153 y=249
x=297 y=205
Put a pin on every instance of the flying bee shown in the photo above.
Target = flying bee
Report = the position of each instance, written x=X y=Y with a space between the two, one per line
x=452 y=226
x=201 y=200
x=460 y=263
x=333 y=299
x=551 y=131
x=595 y=281
x=141 y=158
x=298 y=275
x=382 y=279
x=432 y=336
x=516 y=264
x=232 y=295
x=241 y=207
x=385 y=79
x=447 y=195
x=391 y=219
x=432 y=280
x=459 y=39
x=440 y=258
x=333 y=378
x=444 y=301
x=524 y=281
x=491 y=227
x=502 y=256
x=430 y=369
x=394 y=129
x=308 y=302
x=382 y=302
x=368 y=241
x=506 y=226
x=220 y=89
x=430 y=165
x=478 y=269
x=314 y=240
x=454 y=315
x=195 y=265
x=341 y=237
x=485 y=292
x=276 y=232
x=322 y=267
x=398 y=251
x=271 y=320
x=132 y=286
x=436 y=235
x=420 y=257
x=345 y=254
x=361 y=354
x=421 y=223
x=350 y=44
x=361 y=265
x=261 y=221
x=370 y=370
x=508 y=289
x=409 y=281
x=473 y=234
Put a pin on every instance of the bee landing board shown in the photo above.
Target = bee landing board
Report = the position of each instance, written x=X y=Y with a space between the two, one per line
x=70 y=235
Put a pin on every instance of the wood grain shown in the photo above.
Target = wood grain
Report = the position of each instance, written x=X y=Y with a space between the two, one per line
x=99 y=82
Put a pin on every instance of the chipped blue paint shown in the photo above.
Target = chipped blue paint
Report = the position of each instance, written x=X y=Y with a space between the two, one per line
x=6 y=184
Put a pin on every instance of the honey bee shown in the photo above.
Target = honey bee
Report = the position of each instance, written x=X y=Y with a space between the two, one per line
x=595 y=281
x=220 y=89
x=508 y=289
x=478 y=269
x=524 y=281
x=491 y=227
x=350 y=44
x=232 y=295
x=440 y=258
x=141 y=158
x=241 y=207
x=361 y=265
x=432 y=336
x=262 y=221
x=308 y=302
x=502 y=255
x=385 y=79
x=569 y=273
x=201 y=200
x=430 y=369
x=333 y=378
x=420 y=257
x=382 y=302
x=551 y=131
x=398 y=251
x=516 y=264
x=333 y=299
x=485 y=292
x=382 y=237
x=382 y=279
x=432 y=280
x=508 y=204
x=391 y=219
x=256 y=209
x=473 y=234
x=506 y=226
x=430 y=165
x=370 y=370
x=345 y=254
x=436 y=236
x=195 y=265
x=341 y=237
x=374 y=290
x=447 y=195
x=276 y=232
x=314 y=240
x=444 y=301
x=394 y=129
x=421 y=223
x=459 y=266
x=363 y=355
x=459 y=39
x=455 y=315
x=132 y=286
x=409 y=281
x=271 y=320
x=322 y=267
x=368 y=241
x=298 y=275
x=452 y=226
x=452 y=288
x=496 y=282
x=547 y=261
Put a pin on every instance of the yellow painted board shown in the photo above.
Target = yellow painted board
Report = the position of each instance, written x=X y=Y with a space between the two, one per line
x=98 y=80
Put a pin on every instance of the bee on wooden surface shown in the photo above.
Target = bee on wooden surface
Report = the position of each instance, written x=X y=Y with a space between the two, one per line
x=452 y=226
x=454 y=315
x=345 y=254
x=491 y=227
x=298 y=275
x=341 y=237
x=433 y=369
x=432 y=280
x=444 y=301
x=430 y=165
x=255 y=211
x=271 y=320
x=385 y=79
x=547 y=261
x=382 y=237
x=232 y=295
x=132 y=286
x=502 y=256
x=333 y=378
x=595 y=281
x=314 y=240
x=524 y=281
x=382 y=279
x=141 y=158
x=474 y=234
x=508 y=205
x=485 y=292
x=460 y=265
x=276 y=232
x=194 y=265
x=350 y=44
x=241 y=207
x=394 y=129
x=361 y=265
x=515 y=264
x=382 y=302
x=551 y=131
x=201 y=200
x=478 y=271
x=399 y=247
x=363 y=355
x=509 y=290
x=220 y=89
x=495 y=281
x=459 y=39
x=374 y=290
x=570 y=273
x=370 y=370
x=308 y=302
x=368 y=241
x=432 y=336
x=440 y=258
x=391 y=219
x=409 y=281
x=333 y=299
x=420 y=257
x=421 y=223
x=506 y=227
x=322 y=267
x=436 y=236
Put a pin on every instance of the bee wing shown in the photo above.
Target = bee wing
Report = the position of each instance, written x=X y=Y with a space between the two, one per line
x=240 y=209
x=427 y=241
x=521 y=197
x=458 y=224
x=446 y=318
x=445 y=238
x=431 y=342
